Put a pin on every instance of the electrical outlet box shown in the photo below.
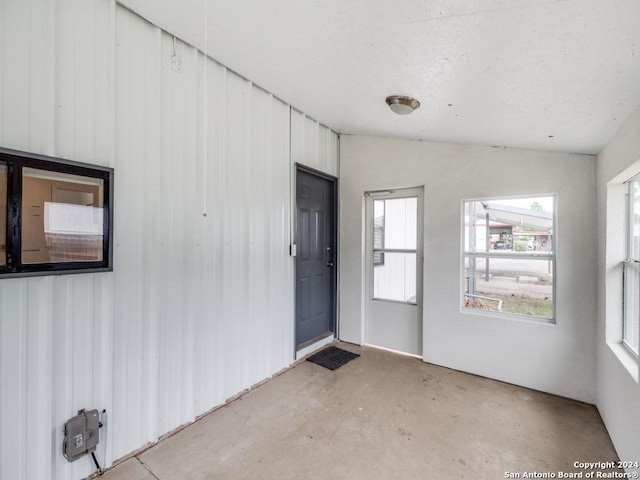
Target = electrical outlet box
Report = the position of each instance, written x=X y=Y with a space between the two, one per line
x=81 y=434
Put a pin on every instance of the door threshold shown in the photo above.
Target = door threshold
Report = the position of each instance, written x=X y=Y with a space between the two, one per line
x=314 y=344
x=399 y=352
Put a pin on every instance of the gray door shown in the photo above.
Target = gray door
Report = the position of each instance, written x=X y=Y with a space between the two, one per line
x=315 y=257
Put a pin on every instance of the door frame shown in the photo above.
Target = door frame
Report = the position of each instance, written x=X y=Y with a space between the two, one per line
x=334 y=280
x=367 y=285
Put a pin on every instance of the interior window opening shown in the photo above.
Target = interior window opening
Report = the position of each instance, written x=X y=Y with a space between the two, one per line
x=62 y=217
x=56 y=215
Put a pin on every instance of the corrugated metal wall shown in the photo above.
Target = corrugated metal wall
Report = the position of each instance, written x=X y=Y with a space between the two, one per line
x=313 y=144
x=200 y=303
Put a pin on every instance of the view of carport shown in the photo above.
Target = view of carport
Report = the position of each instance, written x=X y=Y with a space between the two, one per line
x=509 y=255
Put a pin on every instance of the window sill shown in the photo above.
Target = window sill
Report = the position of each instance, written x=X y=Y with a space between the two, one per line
x=508 y=316
x=626 y=358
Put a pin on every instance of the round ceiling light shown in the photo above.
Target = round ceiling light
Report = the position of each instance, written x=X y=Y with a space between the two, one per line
x=402 y=105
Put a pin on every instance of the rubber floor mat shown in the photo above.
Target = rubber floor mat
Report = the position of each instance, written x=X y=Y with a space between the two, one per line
x=332 y=357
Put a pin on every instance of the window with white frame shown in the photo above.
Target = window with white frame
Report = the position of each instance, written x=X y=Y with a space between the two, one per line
x=631 y=287
x=509 y=256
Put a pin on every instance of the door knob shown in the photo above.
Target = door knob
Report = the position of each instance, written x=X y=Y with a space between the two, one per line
x=329 y=264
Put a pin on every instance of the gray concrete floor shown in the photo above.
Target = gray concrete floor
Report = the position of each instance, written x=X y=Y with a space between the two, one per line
x=381 y=416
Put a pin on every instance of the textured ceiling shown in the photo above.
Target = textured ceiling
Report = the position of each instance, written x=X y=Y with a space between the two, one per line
x=558 y=75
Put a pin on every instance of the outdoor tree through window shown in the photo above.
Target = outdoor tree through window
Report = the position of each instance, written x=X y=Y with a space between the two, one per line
x=509 y=256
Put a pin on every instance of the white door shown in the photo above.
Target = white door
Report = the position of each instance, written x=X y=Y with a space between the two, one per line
x=394 y=270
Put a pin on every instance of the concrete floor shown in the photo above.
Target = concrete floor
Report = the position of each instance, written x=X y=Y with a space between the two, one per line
x=381 y=416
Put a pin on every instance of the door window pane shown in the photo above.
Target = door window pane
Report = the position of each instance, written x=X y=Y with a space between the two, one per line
x=396 y=279
x=395 y=233
x=378 y=233
x=397 y=219
x=62 y=217
x=3 y=214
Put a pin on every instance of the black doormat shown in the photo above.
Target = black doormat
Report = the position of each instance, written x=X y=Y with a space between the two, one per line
x=332 y=357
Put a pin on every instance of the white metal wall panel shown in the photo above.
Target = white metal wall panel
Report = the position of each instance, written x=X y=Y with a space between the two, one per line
x=39 y=382
x=204 y=160
x=83 y=80
x=200 y=303
x=138 y=254
x=13 y=371
x=313 y=144
x=81 y=326
x=26 y=71
x=50 y=363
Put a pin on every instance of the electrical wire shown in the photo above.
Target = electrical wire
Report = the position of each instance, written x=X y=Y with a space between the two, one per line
x=95 y=460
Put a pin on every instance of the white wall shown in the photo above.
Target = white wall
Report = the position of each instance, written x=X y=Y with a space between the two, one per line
x=553 y=358
x=200 y=303
x=618 y=392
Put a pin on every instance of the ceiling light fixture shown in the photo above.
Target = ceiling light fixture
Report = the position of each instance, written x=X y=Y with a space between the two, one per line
x=402 y=105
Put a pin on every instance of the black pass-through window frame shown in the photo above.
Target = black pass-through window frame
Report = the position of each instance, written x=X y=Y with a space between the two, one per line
x=16 y=161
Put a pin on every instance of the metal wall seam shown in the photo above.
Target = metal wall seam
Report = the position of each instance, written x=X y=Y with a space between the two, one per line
x=14 y=132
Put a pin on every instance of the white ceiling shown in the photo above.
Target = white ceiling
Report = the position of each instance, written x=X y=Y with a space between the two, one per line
x=559 y=75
